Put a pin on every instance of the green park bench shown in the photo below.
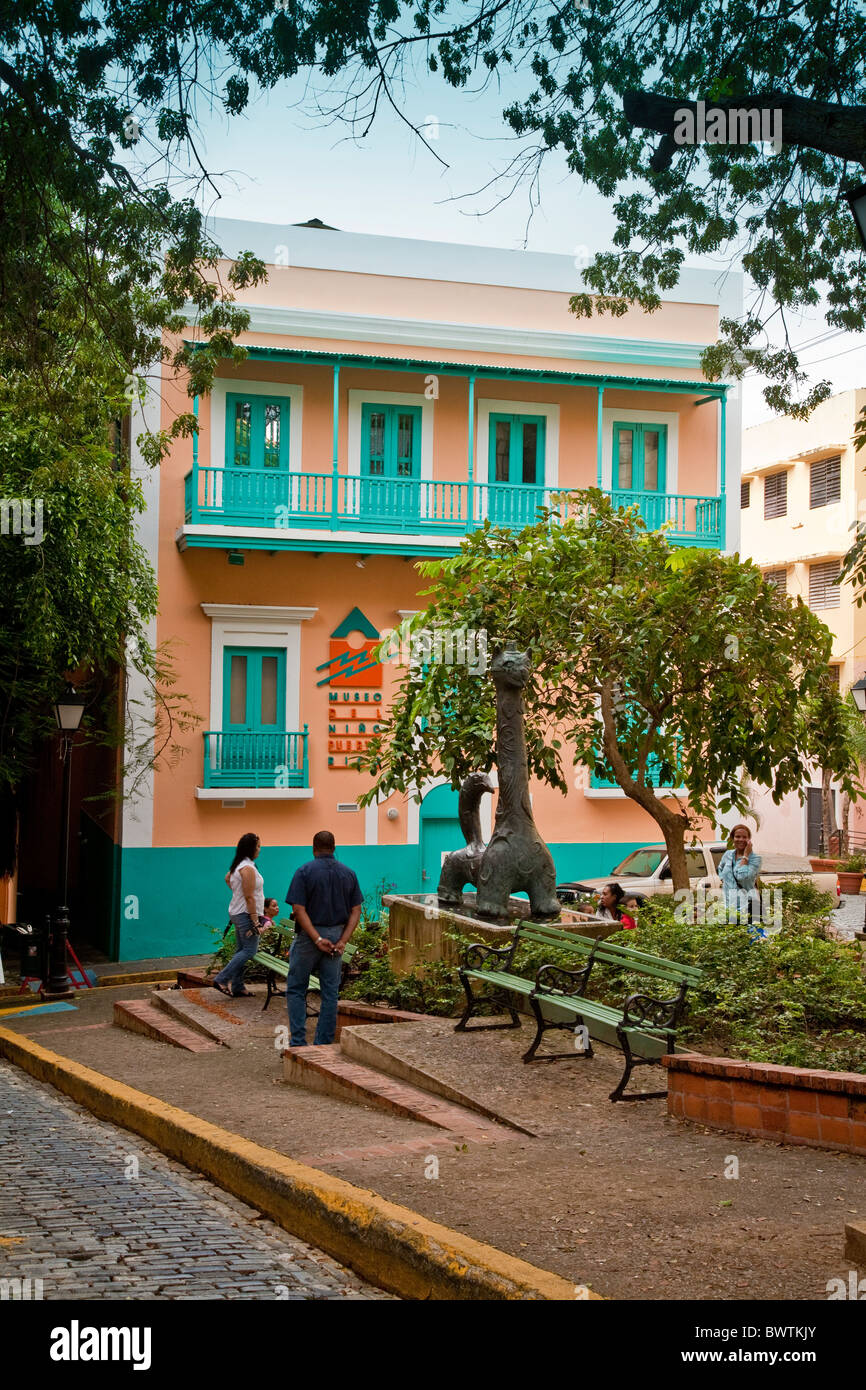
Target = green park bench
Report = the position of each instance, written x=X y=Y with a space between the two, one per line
x=643 y=1027
x=276 y=966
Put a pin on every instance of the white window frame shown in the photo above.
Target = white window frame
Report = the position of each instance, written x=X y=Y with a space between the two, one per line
x=630 y=416
x=485 y=407
x=249 y=625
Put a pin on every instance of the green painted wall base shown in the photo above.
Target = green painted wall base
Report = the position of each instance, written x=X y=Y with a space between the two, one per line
x=173 y=900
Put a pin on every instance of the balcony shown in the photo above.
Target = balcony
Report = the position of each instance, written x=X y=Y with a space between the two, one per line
x=267 y=501
x=274 y=764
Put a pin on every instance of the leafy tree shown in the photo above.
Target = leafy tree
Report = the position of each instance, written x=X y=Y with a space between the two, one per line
x=95 y=104
x=653 y=666
x=605 y=81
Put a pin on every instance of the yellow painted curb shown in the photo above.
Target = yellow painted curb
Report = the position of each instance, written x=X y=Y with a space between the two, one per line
x=391 y=1246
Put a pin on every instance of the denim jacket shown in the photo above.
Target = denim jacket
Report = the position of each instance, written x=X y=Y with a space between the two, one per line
x=737 y=876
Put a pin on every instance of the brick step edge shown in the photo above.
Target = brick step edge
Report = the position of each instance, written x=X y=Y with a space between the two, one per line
x=193 y=1013
x=357 y=1048
x=139 y=1016
x=327 y=1071
x=855 y=1243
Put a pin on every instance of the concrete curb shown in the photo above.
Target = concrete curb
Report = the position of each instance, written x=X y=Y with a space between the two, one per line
x=391 y=1246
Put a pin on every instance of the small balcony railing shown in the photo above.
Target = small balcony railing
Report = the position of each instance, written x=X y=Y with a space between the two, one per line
x=267 y=497
x=256 y=759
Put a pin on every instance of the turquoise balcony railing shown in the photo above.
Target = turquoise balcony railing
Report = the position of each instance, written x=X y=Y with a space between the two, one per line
x=256 y=759
x=653 y=777
x=267 y=497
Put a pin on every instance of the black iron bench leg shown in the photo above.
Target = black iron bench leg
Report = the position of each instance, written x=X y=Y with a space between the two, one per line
x=630 y=1063
x=542 y=1027
x=472 y=1000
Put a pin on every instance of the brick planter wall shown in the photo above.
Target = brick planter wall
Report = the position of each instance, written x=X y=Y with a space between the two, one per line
x=823 y=1108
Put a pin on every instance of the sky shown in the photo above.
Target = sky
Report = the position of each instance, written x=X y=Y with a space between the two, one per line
x=281 y=162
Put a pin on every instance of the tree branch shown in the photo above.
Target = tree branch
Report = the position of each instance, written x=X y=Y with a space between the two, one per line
x=830 y=127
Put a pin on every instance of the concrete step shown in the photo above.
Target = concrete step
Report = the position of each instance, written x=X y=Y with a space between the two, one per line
x=189 y=1007
x=140 y=1016
x=327 y=1071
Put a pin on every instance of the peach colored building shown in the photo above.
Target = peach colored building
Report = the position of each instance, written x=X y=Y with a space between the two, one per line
x=803 y=489
x=395 y=393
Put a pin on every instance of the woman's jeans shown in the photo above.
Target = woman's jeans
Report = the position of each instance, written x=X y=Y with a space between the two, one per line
x=305 y=958
x=248 y=943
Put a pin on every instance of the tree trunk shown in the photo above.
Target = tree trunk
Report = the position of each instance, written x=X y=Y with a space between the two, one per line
x=673 y=824
x=828 y=810
x=843 y=817
x=827 y=126
x=675 y=836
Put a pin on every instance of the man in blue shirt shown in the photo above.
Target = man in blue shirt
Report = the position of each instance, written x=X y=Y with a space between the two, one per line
x=326 y=900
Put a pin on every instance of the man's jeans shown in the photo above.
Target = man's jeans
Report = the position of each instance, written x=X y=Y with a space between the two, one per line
x=304 y=958
x=233 y=973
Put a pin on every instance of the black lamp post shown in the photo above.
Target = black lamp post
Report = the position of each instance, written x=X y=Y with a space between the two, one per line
x=857 y=203
x=858 y=689
x=68 y=709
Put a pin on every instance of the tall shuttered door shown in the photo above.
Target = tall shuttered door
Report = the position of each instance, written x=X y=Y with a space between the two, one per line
x=824 y=584
x=515 y=469
x=254 y=482
x=814 y=820
x=390 y=464
x=254 y=710
x=775 y=495
x=640 y=469
x=825 y=482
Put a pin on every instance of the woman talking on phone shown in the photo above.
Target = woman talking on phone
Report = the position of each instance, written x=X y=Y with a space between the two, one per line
x=739 y=867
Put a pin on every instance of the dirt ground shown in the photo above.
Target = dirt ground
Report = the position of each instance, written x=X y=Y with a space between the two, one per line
x=619 y=1197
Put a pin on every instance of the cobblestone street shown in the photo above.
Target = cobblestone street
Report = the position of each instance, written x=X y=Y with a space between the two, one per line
x=95 y=1213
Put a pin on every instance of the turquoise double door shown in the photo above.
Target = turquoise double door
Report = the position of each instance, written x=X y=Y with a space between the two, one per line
x=390 y=492
x=640 y=466
x=515 y=469
x=253 y=743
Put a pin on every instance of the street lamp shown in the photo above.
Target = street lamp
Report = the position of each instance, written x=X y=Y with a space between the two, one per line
x=857 y=203
x=858 y=691
x=68 y=709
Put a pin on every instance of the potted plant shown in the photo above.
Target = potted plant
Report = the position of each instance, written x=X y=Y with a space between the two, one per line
x=851 y=873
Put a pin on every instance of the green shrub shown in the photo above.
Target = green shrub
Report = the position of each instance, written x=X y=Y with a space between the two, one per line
x=796 y=998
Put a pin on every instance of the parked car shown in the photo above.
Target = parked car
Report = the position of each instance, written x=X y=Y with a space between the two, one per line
x=646 y=872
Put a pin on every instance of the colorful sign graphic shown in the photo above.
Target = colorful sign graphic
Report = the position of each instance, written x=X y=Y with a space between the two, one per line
x=354 y=680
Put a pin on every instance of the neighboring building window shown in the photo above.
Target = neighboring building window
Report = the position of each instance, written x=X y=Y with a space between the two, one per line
x=825 y=482
x=778 y=578
x=745 y=494
x=836 y=672
x=824 y=584
x=257 y=431
x=775 y=495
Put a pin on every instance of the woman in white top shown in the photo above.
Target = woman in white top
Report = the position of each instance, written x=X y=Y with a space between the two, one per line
x=246 y=913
